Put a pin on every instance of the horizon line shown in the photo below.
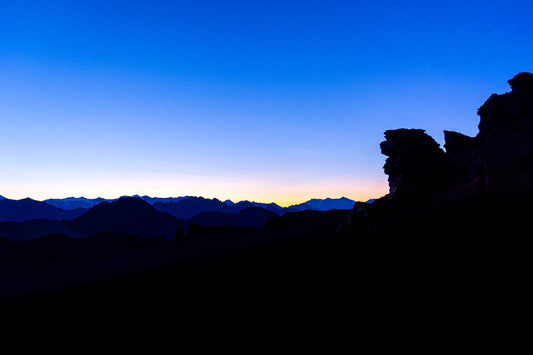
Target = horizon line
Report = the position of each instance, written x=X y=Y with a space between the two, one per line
x=281 y=204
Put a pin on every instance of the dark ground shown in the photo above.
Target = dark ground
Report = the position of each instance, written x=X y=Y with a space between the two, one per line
x=295 y=279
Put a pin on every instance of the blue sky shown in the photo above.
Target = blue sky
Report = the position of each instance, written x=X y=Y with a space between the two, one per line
x=262 y=100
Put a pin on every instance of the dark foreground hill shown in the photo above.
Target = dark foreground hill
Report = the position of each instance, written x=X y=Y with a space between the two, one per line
x=129 y=215
x=253 y=217
x=218 y=271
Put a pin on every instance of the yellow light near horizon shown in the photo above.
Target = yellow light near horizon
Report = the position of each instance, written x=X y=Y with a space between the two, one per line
x=284 y=193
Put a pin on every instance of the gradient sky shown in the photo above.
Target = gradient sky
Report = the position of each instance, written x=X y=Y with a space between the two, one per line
x=261 y=100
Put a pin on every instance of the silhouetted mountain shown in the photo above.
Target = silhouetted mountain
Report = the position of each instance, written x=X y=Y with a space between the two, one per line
x=129 y=215
x=2 y=197
x=313 y=204
x=28 y=209
x=272 y=207
x=342 y=203
x=153 y=200
x=191 y=206
x=254 y=217
x=71 y=203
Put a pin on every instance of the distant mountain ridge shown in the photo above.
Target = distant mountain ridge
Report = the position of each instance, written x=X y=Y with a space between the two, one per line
x=210 y=205
x=29 y=219
x=185 y=207
x=131 y=216
x=70 y=203
x=327 y=204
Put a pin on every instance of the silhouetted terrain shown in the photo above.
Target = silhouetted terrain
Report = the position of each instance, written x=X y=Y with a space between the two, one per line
x=327 y=204
x=191 y=206
x=133 y=215
x=460 y=216
x=253 y=217
x=28 y=209
x=71 y=203
x=451 y=238
x=129 y=215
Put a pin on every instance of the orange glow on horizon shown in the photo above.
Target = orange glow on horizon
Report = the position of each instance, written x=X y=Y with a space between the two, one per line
x=283 y=193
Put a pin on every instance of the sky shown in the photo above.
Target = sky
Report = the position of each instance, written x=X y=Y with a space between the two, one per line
x=263 y=100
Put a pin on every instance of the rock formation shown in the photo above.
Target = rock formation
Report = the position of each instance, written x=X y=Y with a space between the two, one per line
x=415 y=163
x=430 y=188
x=502 y=161
x=497 y=162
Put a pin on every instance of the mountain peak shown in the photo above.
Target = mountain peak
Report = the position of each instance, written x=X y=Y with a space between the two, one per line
x=125 y=203
x=128 y=215
x=324 y=204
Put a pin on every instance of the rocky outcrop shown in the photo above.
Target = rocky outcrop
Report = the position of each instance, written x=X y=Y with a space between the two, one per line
x=502 y=161
x=432 y=191
x=415 y=163
x=459 y=150
x=497 y=162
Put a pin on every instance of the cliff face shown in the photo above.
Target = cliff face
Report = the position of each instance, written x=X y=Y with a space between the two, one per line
x=497 y=162
x=415 y=163
x=479 y=186
x=502 y=158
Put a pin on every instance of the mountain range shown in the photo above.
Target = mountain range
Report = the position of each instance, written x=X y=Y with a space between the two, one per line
x=29 y=219
x=185 y=207
x=71 y=203
x=129 y=215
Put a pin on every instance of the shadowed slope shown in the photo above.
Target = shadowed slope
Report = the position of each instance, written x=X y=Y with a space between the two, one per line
x=129 y=216
x=254 y=217
x=28 y=209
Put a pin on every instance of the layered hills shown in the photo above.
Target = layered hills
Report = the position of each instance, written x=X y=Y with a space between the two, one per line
x=126 y=215
x=180 y=207
x=129 y=215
